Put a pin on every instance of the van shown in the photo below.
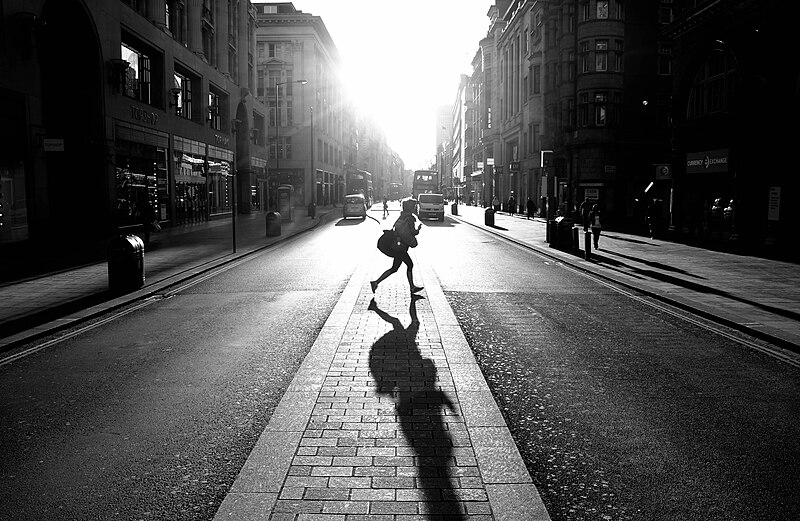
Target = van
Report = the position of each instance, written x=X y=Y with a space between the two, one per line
x=431 y=206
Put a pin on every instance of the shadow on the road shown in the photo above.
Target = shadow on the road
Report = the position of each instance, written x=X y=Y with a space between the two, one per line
x=349 y=222
x=628 y=239
x=658 y=265
x=640 y=273
x=447 y=223
x=496 y=227
x=400 y=370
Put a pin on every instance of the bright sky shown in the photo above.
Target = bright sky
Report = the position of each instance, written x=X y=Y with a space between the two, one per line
x=403 y=59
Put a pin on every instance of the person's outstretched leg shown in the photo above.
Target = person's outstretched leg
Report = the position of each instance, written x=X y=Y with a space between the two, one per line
x=410 y=273
x=395 y=266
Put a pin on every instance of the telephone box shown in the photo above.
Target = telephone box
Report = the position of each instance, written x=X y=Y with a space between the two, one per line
x=286 y=202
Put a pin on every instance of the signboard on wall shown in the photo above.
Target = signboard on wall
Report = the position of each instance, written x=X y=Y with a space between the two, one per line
x=707 y=162
x=774 y=208
x=591 y=193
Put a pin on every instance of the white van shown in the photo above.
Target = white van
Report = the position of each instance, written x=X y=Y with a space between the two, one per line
x=431 y=206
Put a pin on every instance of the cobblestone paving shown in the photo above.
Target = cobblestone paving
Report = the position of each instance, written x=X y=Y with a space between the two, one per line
x=386 y=439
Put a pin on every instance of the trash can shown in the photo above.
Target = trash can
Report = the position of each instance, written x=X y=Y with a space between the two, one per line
x=125 y=263
x=488 y=217
x=273 y=224
x=564 y=232
x=312 y=209
x=454 y=208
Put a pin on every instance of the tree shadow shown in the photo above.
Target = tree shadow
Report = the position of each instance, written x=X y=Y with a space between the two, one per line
x=400 y=371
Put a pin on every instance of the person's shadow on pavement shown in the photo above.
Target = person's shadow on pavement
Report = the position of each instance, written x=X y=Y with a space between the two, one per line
x=400 y=370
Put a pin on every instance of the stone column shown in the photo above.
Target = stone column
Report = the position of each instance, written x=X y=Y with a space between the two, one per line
x=156 y=13
x=195 y=25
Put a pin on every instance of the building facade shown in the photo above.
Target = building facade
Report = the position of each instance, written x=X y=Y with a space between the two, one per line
x=113 y=105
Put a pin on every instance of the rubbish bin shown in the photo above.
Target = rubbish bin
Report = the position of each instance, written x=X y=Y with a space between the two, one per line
x=564 y=232
x=312 y=209
x=273 y=224
x=488 y=217
x=125 y=263
x=454 y=208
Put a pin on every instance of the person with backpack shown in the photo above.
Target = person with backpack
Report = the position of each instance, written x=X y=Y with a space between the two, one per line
x=406 y=232
x=594 y=222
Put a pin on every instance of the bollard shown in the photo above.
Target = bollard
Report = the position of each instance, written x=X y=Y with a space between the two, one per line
x=575 y=240
x=454 y=208
x=587 y=244
x=273 y=224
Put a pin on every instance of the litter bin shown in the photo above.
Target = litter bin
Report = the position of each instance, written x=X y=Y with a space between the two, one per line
x=454 y=208
x=564 y=232
x=488 y=217
x=273 y=224
x=312 y=209
x=125 y=263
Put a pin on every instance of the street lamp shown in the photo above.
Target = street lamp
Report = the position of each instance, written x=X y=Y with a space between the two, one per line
x=277 y=123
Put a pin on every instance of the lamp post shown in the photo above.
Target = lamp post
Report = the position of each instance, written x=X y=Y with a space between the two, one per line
x=277 y=124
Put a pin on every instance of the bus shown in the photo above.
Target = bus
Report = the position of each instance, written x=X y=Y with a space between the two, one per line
x=395 y=192
x=360 y=182
x=425 y=181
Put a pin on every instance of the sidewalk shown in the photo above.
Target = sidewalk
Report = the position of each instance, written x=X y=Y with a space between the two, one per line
x=34 y=307
x=758 y=296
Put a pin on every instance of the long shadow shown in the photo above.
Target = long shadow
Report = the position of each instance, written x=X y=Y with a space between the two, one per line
x=658 y=265
x=627 y=239
x=400 y=370
x=694 y=286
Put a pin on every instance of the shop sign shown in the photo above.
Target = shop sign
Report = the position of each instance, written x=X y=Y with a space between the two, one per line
x=592 y=193
x=53 y=144
x=221 y=140
x=140 y=114
x=514 y=166
x=498 y=169
x=663 y=172
x=707 y=162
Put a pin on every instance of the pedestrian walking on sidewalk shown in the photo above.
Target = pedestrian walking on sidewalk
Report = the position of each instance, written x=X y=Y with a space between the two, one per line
x=496 y=204
x=512 y=204
x=530 y=206
x=594 y=220
x=385 y=207
x=586 y=208
x=406 y=229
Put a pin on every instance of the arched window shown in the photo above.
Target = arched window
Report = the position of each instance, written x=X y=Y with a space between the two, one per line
x=714 y=86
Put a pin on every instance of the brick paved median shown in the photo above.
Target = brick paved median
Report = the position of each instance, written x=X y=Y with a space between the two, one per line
x=372 y=427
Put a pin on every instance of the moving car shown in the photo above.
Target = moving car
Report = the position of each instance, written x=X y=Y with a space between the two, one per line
x=354 y=206
x=431 y=206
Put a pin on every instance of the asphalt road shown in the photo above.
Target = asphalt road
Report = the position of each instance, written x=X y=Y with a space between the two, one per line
x=621 y=410
x=152 y=415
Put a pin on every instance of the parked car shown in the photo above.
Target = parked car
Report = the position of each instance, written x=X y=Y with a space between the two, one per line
x=431 y=206
x=354 y=206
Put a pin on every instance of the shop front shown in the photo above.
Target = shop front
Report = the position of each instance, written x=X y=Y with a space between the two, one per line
x=141 y=175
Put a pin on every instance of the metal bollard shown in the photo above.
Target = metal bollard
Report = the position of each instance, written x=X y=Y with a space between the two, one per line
x=587 y=244
x=575 y=243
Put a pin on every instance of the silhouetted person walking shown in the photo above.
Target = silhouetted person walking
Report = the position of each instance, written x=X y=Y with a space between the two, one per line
x=407 y=232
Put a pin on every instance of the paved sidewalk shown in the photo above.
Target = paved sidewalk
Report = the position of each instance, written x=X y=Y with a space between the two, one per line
x=756 y=295
x=389 y=418
x=36 y=306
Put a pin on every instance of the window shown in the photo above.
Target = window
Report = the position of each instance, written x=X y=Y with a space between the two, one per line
x=602 y=9
x=289 y=113
x=537 y=86
x=261 y=52
x=664 y=59
x=584 y=56
x=583 y=109
x=137 y=82
x=601 y=109
x=665 y=12
x=601 y=55
x=214 y=107
x=257 y=132
x=184 y=95
x=270 y=9
x=585 y=10
x=619 y=49
x=570 y=73
x=713 y=87
x=620 y=10
x=273 y=50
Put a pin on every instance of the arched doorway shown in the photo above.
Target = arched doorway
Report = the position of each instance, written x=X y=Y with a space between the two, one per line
x=77 y=185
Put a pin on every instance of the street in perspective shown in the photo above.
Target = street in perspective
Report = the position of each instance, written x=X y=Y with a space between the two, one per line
x=460 y=260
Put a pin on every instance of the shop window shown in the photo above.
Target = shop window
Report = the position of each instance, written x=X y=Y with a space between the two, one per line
x=13 y=203
x=600 y=109
x=141 y=179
